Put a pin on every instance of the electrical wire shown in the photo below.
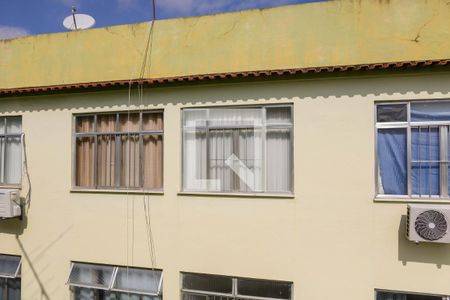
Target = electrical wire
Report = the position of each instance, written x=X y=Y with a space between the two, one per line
x=150 y=243
x=25 y=168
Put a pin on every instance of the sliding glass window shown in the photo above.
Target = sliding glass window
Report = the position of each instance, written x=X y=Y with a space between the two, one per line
x=413 y=149
x=238 y=149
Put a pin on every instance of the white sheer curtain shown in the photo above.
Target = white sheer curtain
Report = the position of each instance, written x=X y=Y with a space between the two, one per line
x=226 y=150
x=12 y=147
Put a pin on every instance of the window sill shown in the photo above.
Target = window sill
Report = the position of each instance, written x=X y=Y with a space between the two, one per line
x=237 y=195
x=411 y=200
x=106 y=191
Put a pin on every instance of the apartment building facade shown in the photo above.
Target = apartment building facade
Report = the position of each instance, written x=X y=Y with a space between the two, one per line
x=276 y=167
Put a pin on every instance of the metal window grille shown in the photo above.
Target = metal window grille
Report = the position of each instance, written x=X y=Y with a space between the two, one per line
x=214 y=287
x=427 y=151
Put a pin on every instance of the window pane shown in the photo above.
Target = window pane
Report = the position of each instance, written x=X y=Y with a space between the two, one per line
x=9 y=265
x=106 y=123
x=129 y=122
x=98 y=276
x=83 y=294
x=2 y=125
x=430 y=111
x=14 y=125
x=264 y=288
x=187 y=296
x=85 y=124
x=106 y=160
x=392 y=166
x=13 y=160
x=401 y=296
x=152 y=121
x=425 y=161
x=225 y=117
x=248 y=167
x=194 y=117
x=207 y=283
x=137 y=280
x=279 y=160
x=220 y=149
x=392 y=113
x=126 y=296
x=14 y=286
x=278 y=115
x=130 y=161
x=85 y=161
x=194 y=160
x=153 y=161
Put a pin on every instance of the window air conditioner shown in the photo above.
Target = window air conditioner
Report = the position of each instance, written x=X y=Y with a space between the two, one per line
x=428 y=223
x=9 y=203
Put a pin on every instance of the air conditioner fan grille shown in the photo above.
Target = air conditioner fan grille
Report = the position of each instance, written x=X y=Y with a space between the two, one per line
x=431 y=225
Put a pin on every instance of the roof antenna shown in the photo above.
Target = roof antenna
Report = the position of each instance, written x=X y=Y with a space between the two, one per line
x=78 y=21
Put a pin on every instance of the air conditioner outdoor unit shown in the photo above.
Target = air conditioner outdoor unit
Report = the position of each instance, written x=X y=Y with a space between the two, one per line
x=9 y=203
x=428 y=223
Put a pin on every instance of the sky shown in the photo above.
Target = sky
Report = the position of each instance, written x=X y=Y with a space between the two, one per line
x=27 y=17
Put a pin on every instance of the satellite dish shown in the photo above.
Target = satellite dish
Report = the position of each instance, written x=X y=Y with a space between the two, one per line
x=78 y=21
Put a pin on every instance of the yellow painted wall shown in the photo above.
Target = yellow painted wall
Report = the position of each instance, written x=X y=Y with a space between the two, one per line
x=331 y=239
x=326 y=33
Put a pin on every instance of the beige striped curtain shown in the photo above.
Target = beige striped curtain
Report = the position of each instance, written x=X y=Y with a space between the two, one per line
x=153 y=151
x=85 y=153
x=106 y=151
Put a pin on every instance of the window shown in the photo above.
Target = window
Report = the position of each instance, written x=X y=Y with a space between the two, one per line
x=244 y=150
x=119 y=150
x=381 y=295
x=10 y=150
x=413 y=149
x=10 y=283
x=216 y=287
x=105 y=282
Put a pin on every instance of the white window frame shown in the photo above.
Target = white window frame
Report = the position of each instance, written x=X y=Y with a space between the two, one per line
x=264 y=166
x=444 y=131
x=110 y=287
x=4 y=136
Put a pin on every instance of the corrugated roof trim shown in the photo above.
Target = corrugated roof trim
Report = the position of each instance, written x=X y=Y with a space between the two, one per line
x=230 y=75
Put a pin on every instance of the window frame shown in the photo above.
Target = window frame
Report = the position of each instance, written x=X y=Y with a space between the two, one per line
x=110 y=287
x=444 y=297
x=3 y=152
x=409 y=125
x=234 y=289
x=264 y=128
x=95 y=134
x=16 y=277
